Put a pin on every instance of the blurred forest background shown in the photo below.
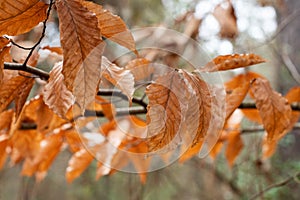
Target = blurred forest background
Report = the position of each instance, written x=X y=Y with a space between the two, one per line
x=269 y=28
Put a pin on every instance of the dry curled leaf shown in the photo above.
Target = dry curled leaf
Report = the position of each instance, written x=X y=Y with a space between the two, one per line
x=233 y=61
x=20 y=17
x=273 y=109
x=236 y=90
x=56 y=95
x=112 y=26
x=225 y=15
x=121 y=78
x=6 y=120
x=82 y=49
x=57 y=50
x=17 y=88
x=4 y=52
x=166 y=110
x=199 y=108
x=78 y=163
x=49 y=148
x=140 y=68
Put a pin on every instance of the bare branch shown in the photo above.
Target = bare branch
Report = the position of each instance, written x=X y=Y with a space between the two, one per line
x=17 y=66
x=280 y=184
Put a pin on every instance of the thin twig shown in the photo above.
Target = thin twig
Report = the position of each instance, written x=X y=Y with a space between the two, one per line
x=42 y=36
x=280 y=184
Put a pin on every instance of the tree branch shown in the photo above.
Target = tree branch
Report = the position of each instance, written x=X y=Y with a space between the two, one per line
x=18 y=66
x=280 y=184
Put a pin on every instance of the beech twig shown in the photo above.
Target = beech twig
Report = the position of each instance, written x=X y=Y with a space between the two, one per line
x=280 y=184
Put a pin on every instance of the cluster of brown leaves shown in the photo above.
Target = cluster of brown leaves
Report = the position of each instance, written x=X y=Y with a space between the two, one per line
x=182 y=106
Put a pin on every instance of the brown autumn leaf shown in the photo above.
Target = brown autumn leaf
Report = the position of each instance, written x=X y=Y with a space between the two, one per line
x=23 y=92
x=252 y=114
x=78 y=163
x=20 y=17
x=57 y=50
x=269 y=147
x=225 y=15
x=38 y=112
x=236 y=90
x=107 y=108
x=121 y=78
x=112 y=26
x=199 y=109
x=6 y=120
x=18 y=88
x=4 y=52
x=49 y=148
x=140 y=68
x=55 y=94
x=3 y=144
x=26 y=142
x=192 y=26
x=74 y=140
x=82 y=49
x=233 y=61
x=234 y=146
x=168 y=96
x=273 y=109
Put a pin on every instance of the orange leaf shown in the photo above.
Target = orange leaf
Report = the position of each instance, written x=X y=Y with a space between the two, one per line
x=20 y=17
x=253 y=115
x=199 y=109
x=3 y=53
x=6 y=120
x=236 y=90
x=56 y=95
x=233 y=61
x=82 y=49
x=49 y=148
x=167 y=105
x=18 y=88
x=234 y=146
x=112 y=26
x=74 y=140
x=22 y=93
x=293 y=94
x=3 y=155
x=77 y=164
x=140 y=68
x=273 y=109
x=26 y=142
x=225 y=15
x=121 y=78
x=57 y=50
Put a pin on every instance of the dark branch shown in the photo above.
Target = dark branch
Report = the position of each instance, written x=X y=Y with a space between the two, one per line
x=17 y=66
x=280 y=184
